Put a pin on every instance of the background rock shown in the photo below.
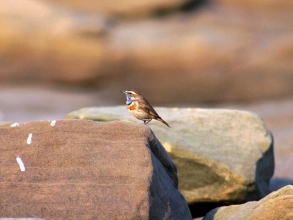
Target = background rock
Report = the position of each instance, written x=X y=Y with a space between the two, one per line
x=277 y=205
x=126 y=8
x=41 y=42
x=82 y=169
x=224 y=51
x=220 y=51
x=221 y=155
x=262 y=5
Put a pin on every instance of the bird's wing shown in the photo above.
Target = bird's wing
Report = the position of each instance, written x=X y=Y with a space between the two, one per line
x=145 y=106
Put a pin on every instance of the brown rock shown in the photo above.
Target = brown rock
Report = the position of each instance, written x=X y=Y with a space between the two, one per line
x=222 y=155
x=277 y=205
x=262 y=5
x=87 y=170
x=38 y=36
x=125 y=8
x=216 y=53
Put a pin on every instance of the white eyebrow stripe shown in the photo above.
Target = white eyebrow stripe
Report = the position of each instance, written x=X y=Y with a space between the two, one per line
x=132 y=92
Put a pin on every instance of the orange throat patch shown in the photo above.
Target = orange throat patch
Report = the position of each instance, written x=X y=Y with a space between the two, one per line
x=132 y=107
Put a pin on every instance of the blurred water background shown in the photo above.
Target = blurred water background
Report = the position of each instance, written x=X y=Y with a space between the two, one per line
x=57 y=56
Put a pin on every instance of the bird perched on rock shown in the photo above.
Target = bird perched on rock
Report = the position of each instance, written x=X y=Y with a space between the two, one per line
x=140 y=108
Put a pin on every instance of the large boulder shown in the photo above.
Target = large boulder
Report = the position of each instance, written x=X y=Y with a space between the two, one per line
x=221 y=155
x=77 y=169
x=277 y=205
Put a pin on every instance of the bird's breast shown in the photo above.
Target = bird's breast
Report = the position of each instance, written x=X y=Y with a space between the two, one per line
x=133 y=106
x=138 y=112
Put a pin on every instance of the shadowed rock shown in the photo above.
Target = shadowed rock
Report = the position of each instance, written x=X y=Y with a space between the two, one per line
x=221 y=155
x=277 y=205
x=77 y=169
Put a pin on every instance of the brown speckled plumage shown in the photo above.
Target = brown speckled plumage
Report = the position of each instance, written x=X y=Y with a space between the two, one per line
x=140 y=108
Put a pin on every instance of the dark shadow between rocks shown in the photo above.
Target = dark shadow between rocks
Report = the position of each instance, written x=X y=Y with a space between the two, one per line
x=185 y=7
x=278 y=183
x=193 y=4
x=263 y=173
x=201 y=209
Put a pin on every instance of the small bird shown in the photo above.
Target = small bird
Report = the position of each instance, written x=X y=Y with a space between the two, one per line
x=140 y=108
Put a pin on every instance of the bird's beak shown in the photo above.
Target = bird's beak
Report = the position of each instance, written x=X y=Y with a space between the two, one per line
x=122 y=91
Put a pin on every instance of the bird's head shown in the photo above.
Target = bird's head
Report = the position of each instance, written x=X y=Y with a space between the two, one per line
x=130 y=96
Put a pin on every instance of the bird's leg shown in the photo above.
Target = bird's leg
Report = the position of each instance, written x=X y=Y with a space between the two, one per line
x=146 y=121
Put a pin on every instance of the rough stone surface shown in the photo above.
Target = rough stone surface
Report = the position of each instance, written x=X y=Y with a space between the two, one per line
x=221 y=155
x=21 y=219
x=277 y=205
x=77 y=169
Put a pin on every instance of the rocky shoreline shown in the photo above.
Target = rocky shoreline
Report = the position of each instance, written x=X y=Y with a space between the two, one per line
x=209 y=61
x=201 y=123
x=28 y=103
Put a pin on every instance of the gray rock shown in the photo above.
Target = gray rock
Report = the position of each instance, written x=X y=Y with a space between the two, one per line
x=221 y=155
x=5 y=123
x=277 y=205
x=78 y=169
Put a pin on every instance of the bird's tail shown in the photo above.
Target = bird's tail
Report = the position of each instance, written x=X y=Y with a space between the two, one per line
x=161 y=120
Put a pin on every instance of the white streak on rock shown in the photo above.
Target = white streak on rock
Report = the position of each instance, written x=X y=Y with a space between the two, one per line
x=53 y=123
x=14 y=125
x=29 y=138
x=20 y=163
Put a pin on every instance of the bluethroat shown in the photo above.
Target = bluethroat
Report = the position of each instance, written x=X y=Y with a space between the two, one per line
x=140 y=108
